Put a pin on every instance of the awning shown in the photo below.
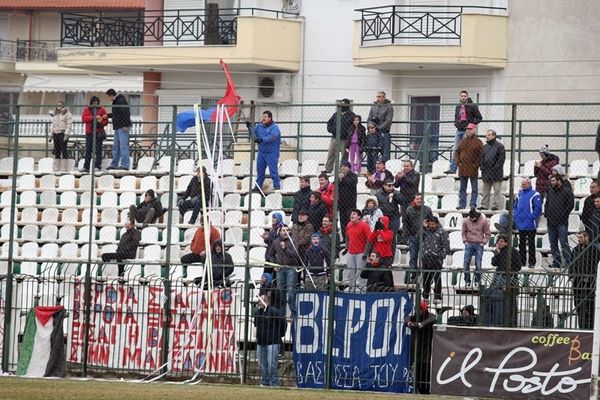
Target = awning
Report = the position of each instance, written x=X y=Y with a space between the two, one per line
x=83 y=83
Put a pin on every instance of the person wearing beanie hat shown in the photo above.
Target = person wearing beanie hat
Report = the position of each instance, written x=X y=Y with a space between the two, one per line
x=559 y=171
x=94 y=116
x=542 y=169
x=318 y=262
x=422 y=335
x=346 y=122
x=147 y=211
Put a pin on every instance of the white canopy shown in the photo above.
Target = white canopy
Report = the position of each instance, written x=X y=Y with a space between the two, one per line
x=83 y=83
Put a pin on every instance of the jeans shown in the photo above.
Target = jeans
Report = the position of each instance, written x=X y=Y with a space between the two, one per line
x=190 y=204
x=264 y=160
x=372 y=156
x=88 y=152
x=355 y=264
x=288 y=282
x=387 y=145
x=457 y=138
x=120 y=149
x=473 y=249
x=462 y=192
x=556 y=234
x=267 y=360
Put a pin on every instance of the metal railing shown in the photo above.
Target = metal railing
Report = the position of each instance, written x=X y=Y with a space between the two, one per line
x=28 y=50
x=425 y=23
x=173 y=27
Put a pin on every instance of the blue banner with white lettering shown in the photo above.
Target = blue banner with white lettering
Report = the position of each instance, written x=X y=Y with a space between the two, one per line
x=371 y=349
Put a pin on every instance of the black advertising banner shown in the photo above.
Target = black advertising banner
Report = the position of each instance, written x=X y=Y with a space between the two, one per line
x=524 y=364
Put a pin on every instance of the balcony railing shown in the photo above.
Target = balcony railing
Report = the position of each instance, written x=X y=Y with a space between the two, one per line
x=28 y=50
x=170 y=27
x=430 y=23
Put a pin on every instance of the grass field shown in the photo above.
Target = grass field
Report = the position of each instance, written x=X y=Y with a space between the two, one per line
x=67 y=389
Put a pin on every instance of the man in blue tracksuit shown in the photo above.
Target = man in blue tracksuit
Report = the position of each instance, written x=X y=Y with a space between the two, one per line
x=268 y=137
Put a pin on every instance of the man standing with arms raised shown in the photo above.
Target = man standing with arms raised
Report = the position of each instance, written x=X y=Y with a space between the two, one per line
x=121 y=120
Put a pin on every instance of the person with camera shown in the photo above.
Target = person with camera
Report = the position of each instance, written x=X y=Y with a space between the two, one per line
x=94 y=117
x=268 y=137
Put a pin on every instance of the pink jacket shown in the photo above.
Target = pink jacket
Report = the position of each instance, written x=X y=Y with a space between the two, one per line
x=476 y=232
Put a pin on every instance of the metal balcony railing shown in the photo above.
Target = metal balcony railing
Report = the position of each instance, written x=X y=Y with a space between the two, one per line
x=169 y=27
x=28 y=50
x=430 y=23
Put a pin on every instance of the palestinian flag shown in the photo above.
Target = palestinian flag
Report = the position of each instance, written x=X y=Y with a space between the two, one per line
x=43 y=347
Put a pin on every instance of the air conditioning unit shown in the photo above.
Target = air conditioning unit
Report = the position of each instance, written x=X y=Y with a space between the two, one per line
x=275 y=88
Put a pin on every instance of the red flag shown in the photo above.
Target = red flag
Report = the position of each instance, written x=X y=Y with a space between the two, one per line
x=231 y=98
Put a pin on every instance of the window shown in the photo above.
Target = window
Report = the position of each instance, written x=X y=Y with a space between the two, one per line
x=135 y=100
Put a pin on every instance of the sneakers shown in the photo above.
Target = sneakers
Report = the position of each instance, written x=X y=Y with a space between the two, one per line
x=468 y=284
x=122 y=168
x=500 y=228
x=450 y=172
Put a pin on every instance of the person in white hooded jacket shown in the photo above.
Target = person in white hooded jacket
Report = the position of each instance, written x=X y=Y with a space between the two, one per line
x=62 y=122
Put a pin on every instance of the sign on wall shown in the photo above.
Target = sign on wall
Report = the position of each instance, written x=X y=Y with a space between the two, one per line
x=371 y=349
x=508 y=363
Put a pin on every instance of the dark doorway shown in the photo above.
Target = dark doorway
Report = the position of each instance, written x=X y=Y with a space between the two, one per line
x=424 y=115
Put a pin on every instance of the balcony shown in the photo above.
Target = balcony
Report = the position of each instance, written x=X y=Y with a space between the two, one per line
x=181 y=39
x=29 y=56
x=430 y=37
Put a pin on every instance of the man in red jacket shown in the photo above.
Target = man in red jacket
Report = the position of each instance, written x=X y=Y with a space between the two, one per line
x=357 y=232
x=326 y=189
x=380 y=240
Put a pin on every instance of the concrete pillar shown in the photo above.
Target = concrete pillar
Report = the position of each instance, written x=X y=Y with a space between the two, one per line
x=153 y=17
x=150 y=109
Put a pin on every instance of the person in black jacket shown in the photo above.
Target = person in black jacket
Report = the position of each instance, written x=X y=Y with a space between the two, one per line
x=589 y=209
x=121 y=120
x=559 y=204
x=347 y=197
x=492 y=170
x=467 y=317
x=422 y=333
x=316 y=210
x=222 y=263
x=317 y=259
x=269 y=325
x=466 y=113
x=127 y=248
x=373 y=145
x=190 y=199
x=507 y=273
x=147 y=211
x=389 y=201
x=345 y=124
x=583 y=275
x=301 y=197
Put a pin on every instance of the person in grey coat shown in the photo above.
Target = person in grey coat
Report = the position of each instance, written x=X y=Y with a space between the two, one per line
x=382 y=113
x=492 y=174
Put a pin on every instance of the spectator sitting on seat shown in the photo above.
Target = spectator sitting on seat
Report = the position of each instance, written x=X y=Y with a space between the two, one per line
x=191 y=198
x=316 y=210
x=378 y=177
x=467 y=317
x=559 y=204
x=147 y=211
x=198 y=247
x=326 y=189
x=301 y=197
x=543 y=168
x=371 y=213
x=475 y=235
x=559 y=171
x=222 y=263
x=589 y=208
x=373 y=146
x=127 y=247
x=378 y=275
x=318 y=261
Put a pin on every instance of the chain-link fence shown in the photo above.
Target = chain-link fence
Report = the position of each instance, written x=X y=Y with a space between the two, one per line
x=515 y=250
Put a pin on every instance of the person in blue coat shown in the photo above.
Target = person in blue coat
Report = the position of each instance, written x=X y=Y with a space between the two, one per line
x=268 y=138
x=527 y=209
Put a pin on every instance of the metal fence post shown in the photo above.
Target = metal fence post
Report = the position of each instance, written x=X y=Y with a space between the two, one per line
x=334 y=238
x=247 y=269
x=11 y=236
x=511 y=194
x=165 y=271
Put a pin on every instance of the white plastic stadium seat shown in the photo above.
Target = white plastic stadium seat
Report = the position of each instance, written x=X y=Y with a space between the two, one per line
x=186 y=167
x=45 y=165
x=26 y=165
